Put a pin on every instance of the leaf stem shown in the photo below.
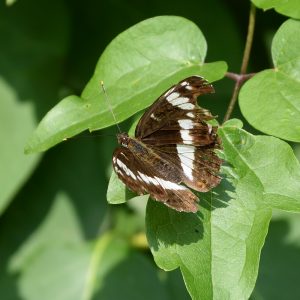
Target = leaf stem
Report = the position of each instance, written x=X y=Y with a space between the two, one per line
x=240 y=78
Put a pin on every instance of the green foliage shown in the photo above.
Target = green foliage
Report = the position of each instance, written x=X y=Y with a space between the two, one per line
x=148 y=68
x=59 y=239
x=226 y=236
x=89 y=270
x=21 y=86
x=270 y=100
x=288 y=8
x=15 y=167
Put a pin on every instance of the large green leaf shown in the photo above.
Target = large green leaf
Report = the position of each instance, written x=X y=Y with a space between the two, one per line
x=17 y=122
x=270 y=100
x=165 y=50
x=290 y=8
x=218 y=248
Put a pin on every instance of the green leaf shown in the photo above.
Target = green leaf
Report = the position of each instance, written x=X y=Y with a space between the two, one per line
x=290 y=8
x=218 y=248
x=270 y=100
x=17 y=122
x=61 y=215
x=58 y=210
x=271 y=161
x=234 y=123
x=117 y=192
x=83 y=271
x=165 y=50
x=27 y=53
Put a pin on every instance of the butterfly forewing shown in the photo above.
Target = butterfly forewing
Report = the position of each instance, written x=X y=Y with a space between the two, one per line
x=173 y=144
x=178 y=102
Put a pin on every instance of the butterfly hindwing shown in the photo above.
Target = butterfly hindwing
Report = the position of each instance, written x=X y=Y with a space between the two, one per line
x=143 y=178
x=199 y=165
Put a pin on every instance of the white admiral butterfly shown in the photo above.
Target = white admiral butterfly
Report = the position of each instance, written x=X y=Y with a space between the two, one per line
x=173 y=144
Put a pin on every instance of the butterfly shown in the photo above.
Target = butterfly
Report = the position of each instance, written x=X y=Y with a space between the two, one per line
x=173 y=149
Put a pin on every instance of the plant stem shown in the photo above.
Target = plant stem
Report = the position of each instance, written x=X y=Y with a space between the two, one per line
x=240 y=78
x=249 y=39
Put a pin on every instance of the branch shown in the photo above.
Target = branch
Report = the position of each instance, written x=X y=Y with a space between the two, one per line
x=240 y=78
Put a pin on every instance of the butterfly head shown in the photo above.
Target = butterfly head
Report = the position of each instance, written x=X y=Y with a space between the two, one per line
x=123 y=139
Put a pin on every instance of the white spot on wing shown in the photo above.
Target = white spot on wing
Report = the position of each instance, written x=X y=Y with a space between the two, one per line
x=186 y=124
x=169 y=185
x=185 y=135
x=147 y=179
x=209 y=128
x=190 y=114
x=183 y=149
x=152 y=116
x=144 y=177
x=187 y=156
x=187 y=106
x=188 y=87
x=123 y=167
x=180 y=100
x=172 y=96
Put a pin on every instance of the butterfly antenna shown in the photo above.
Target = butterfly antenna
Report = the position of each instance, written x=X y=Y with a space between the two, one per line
x=110 y=108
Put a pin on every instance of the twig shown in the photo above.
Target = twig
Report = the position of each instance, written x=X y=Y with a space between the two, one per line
x=240 y=78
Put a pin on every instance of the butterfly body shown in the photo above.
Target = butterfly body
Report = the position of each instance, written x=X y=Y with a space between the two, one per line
x=173 y=144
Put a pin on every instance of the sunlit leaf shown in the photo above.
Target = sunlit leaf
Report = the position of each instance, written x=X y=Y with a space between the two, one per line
x=218 y=248
x=270 y=100
x=134 y=75
x=290 y=8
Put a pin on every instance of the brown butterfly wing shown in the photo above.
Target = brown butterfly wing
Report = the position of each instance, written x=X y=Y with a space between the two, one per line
x=143 y=178
x=174 y=144
x=177 y=103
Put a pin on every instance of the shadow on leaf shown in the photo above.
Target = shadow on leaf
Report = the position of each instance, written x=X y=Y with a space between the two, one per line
x=167 y=227
x=172 y=227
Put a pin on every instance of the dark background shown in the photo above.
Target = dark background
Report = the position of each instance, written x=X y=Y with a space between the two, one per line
x=49 y=50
